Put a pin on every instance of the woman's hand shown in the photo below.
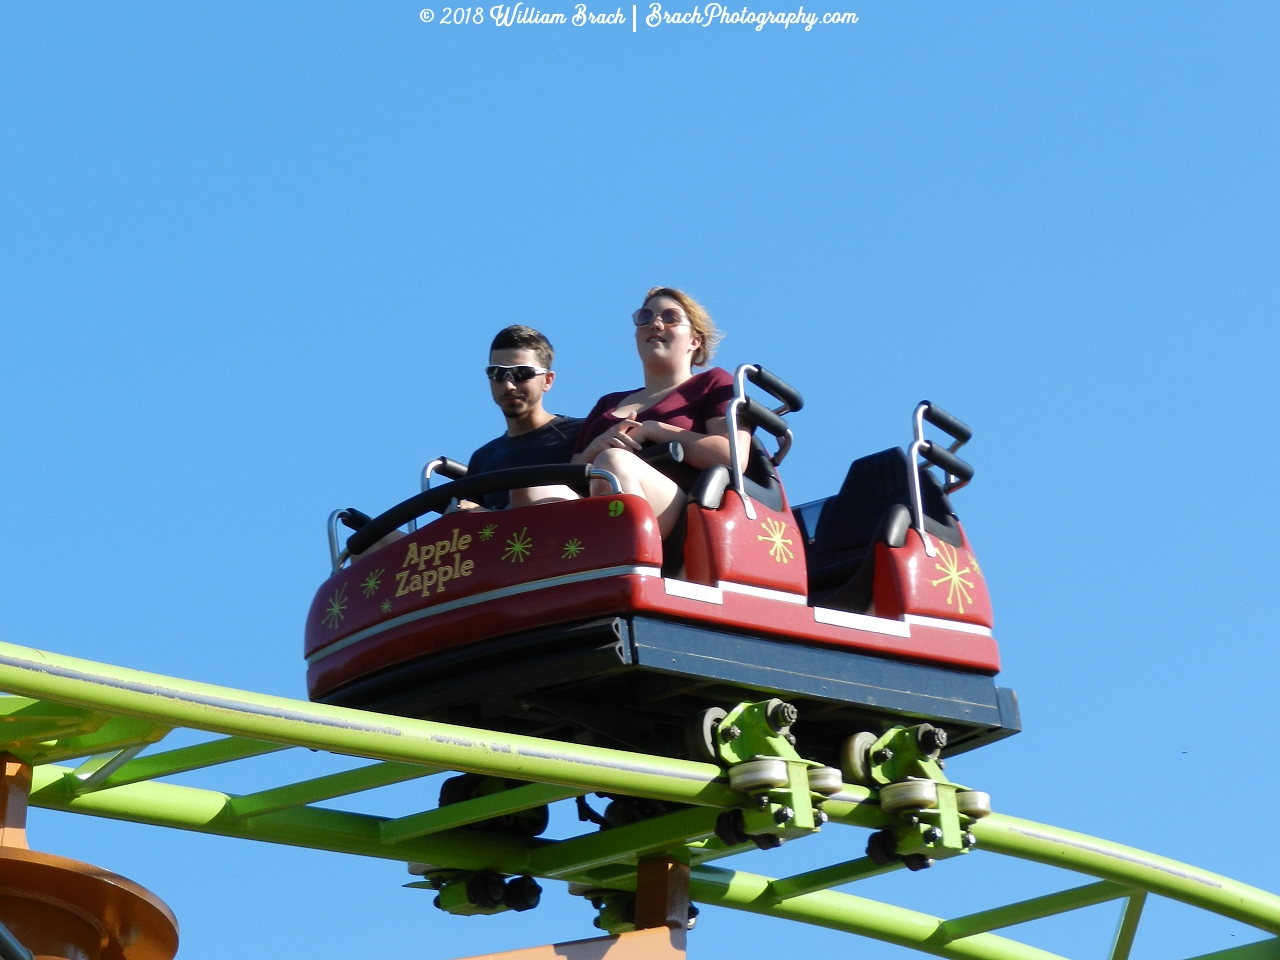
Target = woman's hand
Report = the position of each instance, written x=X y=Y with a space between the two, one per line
x=620 y=436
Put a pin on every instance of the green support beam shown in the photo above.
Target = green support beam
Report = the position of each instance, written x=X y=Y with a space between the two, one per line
x=1258 y=950
x=325 y=788
x=842 y=911
x=185 y=759
x=473 y=811
x=581 y=854
x=1128 y=928
x=828 y=877
x=1035 y=909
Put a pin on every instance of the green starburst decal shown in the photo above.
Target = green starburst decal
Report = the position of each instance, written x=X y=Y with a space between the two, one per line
x=487 y=532
x=386 y=606
x=572 y=548
x=337 y=604
x=372 y=582
x=518 y=547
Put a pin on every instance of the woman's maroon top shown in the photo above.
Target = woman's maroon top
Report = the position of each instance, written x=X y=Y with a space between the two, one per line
x=689 y=406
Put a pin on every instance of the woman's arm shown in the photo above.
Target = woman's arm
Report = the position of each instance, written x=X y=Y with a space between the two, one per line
x=701 y=450
x=621 y=435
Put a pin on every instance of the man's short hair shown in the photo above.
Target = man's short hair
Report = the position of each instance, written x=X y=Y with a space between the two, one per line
x=520 y=337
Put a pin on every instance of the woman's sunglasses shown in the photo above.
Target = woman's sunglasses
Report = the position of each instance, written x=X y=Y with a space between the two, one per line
x=670 y=317
x=517 y=373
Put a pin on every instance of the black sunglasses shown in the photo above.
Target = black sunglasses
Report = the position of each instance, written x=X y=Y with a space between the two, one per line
x=670 y=317
x=517 y=373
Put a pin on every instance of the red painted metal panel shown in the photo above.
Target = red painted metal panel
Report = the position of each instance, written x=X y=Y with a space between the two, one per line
x=950 y=585
x=463 y=554
x=725 y=545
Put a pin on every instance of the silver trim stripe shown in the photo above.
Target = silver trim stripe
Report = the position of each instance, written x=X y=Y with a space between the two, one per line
x=947 y=624
x=688 y=590
x=461 y=602
x=763 y=592
x=859 y=621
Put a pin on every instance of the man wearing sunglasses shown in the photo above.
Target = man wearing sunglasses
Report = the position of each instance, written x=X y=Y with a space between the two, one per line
x=520 y=373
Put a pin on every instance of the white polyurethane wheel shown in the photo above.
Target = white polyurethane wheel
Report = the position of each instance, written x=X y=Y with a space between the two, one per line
x=973 y=803
x=855 y=758
x=908 y=795
x=825 y=780
x=758 y=774
x=700 y=734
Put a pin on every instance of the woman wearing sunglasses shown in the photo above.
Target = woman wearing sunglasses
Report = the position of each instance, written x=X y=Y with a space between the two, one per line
x=673 y=334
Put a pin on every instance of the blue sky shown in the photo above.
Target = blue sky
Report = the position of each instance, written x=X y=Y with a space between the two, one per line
x=251 y=258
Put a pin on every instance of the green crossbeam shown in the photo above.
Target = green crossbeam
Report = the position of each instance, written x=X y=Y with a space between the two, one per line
x=185 y=759
x=326 y=788
x=1034 y=909
x=474 y=811
x=824 y=879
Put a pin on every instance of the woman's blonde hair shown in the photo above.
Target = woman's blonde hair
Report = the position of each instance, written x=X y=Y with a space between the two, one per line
x=700 y=322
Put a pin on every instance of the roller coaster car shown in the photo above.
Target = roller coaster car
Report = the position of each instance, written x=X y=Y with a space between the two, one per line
x=574 y=620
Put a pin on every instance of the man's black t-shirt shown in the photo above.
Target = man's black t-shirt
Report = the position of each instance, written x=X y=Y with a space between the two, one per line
x=550 y=443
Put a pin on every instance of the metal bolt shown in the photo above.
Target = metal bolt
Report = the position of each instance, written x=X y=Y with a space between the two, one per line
x=731 y=732
x=782 y=716
x=783 y=814
x=762 y=801
x=932 y=835
x=969 y=841
x=790 y=738
x=820 y=816
x=930 y=738
x=883 y=755
x=942 y=764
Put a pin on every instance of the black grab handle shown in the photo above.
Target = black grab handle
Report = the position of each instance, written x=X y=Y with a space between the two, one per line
x=438 y=498
x=776 y=387
x=757 y=413
x=947 y=423
x=948 y=461
x=659 y=455
x=448 y=467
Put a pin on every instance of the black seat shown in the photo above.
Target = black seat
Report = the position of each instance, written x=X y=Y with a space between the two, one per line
x=857 y=516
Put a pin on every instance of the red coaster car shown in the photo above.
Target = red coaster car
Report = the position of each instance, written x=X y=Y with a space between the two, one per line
x=575 y=620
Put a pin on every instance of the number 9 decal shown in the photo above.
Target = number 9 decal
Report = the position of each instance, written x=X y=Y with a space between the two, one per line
x=616 y=507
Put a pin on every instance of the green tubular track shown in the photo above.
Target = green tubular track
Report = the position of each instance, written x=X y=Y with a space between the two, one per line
x=61 y=708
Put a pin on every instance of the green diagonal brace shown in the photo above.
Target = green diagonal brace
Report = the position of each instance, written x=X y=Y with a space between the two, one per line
x=326 y=788
x=1034 y=909
x=473 y=811
x=828 y=877
x=1128 y=928
x=593 y=850
x=196 y=757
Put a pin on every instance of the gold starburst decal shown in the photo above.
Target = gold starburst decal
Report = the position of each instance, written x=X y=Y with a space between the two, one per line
x=337 y=604
x=953 y=576
x=487 y=532
x=518 y=547
x=572 y=549
x=372 y=582
x=973 y=561
x=779 y=546
x=386 y=606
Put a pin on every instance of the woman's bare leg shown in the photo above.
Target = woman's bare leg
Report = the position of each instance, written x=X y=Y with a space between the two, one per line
x=528 y=496
x=637 y=477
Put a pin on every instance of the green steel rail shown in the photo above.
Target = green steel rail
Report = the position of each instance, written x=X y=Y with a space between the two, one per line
x=61 y=708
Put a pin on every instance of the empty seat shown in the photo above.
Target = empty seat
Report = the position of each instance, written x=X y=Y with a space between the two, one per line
x=848 y=522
